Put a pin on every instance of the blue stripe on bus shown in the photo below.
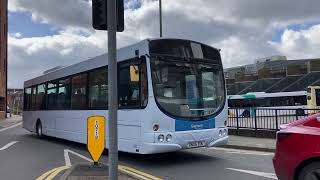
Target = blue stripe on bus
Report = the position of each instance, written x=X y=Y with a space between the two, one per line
x=183 y=125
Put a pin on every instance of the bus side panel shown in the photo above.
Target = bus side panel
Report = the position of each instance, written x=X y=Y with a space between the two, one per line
x=72 y=125
x=28 y=121
x=129 y=130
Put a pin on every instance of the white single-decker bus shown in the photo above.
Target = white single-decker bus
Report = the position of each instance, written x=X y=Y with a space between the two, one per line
x=171 y=95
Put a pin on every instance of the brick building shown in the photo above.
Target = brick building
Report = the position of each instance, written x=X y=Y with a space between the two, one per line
x=3 y=57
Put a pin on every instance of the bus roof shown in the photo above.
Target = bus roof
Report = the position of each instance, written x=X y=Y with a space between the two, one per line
x=92 y=63
x=124 y=53
x=265 y=95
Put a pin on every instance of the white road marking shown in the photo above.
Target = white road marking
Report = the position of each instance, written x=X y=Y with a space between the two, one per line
x=18 y=124
x=67 y=158
x=8 y=145
x=244 y=152
x=256 y=173
x=250 y=153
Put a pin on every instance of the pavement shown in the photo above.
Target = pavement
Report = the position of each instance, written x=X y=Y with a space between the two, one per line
x=10 y=121
x=25 y=156
x=251 y=143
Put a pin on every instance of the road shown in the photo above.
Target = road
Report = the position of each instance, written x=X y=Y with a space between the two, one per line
x=24 y=156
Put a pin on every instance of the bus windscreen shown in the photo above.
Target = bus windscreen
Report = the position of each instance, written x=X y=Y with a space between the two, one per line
x=183 y=48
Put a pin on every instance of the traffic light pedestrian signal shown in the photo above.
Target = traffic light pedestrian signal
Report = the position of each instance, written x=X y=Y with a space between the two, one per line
x=99 y=15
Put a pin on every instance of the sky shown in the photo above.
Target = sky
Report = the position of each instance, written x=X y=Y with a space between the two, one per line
x=45 y=34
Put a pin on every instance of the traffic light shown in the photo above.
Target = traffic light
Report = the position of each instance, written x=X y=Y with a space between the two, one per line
x=99 y=15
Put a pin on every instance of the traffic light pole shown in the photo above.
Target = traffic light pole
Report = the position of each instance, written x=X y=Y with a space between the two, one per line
x=160 y=17
x=113 y=92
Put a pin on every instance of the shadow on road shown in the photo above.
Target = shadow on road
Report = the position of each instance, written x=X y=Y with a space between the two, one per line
x=154 y=160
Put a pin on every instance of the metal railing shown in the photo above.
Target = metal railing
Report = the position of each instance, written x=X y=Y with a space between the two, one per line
x=265 y=118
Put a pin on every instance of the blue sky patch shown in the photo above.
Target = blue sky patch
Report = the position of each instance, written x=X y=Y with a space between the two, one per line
x=296 y=27
x=21 y=22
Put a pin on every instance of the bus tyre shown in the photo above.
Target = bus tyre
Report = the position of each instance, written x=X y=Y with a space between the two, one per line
x=39 y=129
x=310 y=172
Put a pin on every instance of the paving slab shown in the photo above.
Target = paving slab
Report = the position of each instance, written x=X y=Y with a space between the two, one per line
x=251 y=143
x=10 y=121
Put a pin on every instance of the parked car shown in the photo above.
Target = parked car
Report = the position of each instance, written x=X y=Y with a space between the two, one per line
x=297 y=154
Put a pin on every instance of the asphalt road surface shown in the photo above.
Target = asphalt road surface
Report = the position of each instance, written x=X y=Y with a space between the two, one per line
x=24 y=156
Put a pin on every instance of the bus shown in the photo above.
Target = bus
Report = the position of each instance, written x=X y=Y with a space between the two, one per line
x=171 y=96
x=313 y=98
x=248 y=103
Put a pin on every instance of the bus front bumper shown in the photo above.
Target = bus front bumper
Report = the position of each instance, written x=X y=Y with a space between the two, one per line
x=153 y=148
x=219 y=142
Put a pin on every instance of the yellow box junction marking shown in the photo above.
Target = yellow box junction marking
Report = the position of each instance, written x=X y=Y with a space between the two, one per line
x=96 y=136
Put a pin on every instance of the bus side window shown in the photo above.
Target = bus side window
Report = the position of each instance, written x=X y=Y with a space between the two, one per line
x=129 y=86
x=40 y=102
x=34 y=98
x=133 y=84
x=27 y=99
x=63 y=94
x=51 y=95
x=98 y=89
x=79 y=92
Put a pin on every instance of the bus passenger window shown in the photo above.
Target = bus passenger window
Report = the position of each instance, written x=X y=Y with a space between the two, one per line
x=51 y=95
x=41 y=105
x=63 y=95
x=34 y=98
x=27 y=99
x=79 y=92
x=129 y=87
x=98 y=88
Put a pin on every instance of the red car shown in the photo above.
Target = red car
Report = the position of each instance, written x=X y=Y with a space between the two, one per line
x=297 y=154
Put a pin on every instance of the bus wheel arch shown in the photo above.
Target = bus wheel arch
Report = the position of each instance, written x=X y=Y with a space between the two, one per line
x=39 y=129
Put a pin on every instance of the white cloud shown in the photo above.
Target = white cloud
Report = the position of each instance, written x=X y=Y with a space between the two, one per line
x=29 y=57
x=300 y=44
x=242 y=29
x=17 y=35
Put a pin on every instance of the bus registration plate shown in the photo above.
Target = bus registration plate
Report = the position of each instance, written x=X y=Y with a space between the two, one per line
x=195 y=144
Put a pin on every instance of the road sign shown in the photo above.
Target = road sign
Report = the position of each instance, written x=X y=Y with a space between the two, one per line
x=99 y=15
x=96 y=136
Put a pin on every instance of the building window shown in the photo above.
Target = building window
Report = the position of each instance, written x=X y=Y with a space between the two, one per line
x=79 y=92
x=98 y=89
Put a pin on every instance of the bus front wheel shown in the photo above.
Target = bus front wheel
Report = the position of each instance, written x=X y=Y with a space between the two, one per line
x=39 y=129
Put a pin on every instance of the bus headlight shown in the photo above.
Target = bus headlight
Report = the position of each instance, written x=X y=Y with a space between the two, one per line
x=220 y=133
x=161 y=138
x=169 y=138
